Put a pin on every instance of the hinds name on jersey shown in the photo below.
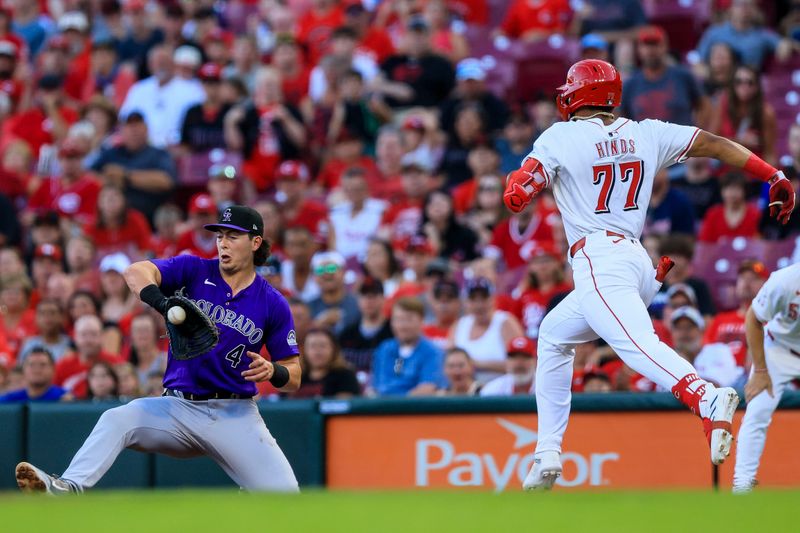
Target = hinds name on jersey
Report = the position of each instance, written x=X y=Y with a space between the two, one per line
x=615 y=147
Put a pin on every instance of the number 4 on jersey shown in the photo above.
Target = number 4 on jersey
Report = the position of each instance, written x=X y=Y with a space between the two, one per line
x=235 y=355
x=604 y=175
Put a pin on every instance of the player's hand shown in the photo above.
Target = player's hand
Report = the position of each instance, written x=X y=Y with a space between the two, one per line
x=758 y=382
x=259 y=369
x=781 y=198
x=523 y=184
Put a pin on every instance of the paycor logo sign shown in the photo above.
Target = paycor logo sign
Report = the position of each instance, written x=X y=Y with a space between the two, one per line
x=463 y=467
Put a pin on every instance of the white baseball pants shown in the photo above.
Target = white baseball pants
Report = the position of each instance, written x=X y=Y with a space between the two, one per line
x=231 y=432
x=614 y=282
x=782 y=367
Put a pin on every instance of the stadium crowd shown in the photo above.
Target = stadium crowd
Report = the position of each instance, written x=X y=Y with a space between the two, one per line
x=374 y=139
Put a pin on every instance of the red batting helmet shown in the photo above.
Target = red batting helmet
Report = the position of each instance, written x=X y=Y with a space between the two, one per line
x=590 y=82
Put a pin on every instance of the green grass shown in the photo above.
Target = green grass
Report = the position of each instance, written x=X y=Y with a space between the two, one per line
x=407 y=512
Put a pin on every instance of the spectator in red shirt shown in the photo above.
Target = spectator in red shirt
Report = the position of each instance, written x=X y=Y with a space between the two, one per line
x=728 y=326
x=535 y=20
x=12 y=86
x=197 y=240
x=47 y=262
x=74 y=193
x=372 y=39
x=387 y=185
x=734 y=217
x=47 y=121
x=80 y=254
x=346 y=152
x=292 y=183
x=446 y=307
x=447 y=38
x=74 y=27
x=15 y=172
x=73 y=369
x=544 y=279
x=316 y=26
x=515 y=239
x=167 y=221
x=118 y=227
x=403 y=218
x=482 y=160
x=287 y=58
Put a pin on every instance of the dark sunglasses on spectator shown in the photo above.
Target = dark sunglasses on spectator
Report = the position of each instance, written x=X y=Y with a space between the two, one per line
x=326 y=269
x=744 y=81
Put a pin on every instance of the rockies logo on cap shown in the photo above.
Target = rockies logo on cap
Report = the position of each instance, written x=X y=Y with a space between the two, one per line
x=239 y=218
x=226 y=216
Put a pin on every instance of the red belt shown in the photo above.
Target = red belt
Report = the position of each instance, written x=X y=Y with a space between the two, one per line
x=793 y=352
x=580 y=243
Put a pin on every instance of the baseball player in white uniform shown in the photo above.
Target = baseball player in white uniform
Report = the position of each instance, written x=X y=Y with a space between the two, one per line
x=773 y=336
x=601 y=169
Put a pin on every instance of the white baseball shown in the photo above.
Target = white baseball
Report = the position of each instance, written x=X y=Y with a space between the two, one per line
x=176 y=314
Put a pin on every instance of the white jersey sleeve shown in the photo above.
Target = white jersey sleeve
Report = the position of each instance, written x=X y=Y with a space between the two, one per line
x=778 y=304
x=545 y=151
x=673 y=141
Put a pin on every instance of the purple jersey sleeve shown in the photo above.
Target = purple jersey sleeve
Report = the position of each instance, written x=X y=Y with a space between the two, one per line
x=175 y=271
x=279 y=335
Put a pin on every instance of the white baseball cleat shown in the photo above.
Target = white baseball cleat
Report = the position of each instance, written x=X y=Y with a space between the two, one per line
x=743 y=488
x=32 y=479
x=718 y=423
x=544 y=472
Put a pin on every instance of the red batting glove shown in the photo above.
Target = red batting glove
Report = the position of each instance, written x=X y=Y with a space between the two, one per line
x=663 y=268
x=781 y=198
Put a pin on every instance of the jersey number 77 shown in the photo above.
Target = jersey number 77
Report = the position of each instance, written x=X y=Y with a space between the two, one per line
x=630 y=172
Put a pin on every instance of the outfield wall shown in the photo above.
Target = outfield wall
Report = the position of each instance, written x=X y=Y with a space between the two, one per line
x=618 y=440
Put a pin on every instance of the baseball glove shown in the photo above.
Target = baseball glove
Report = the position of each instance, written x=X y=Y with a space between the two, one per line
x=196 y=335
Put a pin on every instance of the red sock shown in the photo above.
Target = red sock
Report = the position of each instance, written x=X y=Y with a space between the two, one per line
x=689 y=392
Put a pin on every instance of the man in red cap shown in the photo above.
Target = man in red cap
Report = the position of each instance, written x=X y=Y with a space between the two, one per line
x=47 y=262
x=74 y=193
x=544 y=280
x=660 y=90
x=204 y=126
x=197 y=241
x=292 y=180
x=520 y=370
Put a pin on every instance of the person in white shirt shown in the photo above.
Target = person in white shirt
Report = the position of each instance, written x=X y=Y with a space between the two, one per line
x=343 y=44
x=772 y=326
x=356 y=219
x=520 y=370
x=163 y=98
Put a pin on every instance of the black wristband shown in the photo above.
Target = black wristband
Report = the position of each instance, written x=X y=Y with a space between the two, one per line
x=280 y=375
x=152 y=296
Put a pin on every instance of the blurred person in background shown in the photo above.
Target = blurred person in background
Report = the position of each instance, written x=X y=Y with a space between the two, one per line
x=273 y=225
x=186 y=59
x=471 y=88
x=415 y=253
x=742 y=114
x=448 y=237
x=403 y=217
x=30 y=23
x=482 y=160
x=446 y=307
x=680 y=248
x=81 y=264
x=699 y=185
x=535 y=21
x=614 y=21
x=359 y=339
x=245 y=63
x=381 y=263
x=520 y=370
x=145 y=353
x=422 y=140
x=744 y=33
x=118 y=227
x=266 y=131
x=447 y=34
x=543 y=281
x=81 y=303
x=484 y=331
x=670 y=210
x=409 y=364
x=146 y=173
x=660 y=89
x=167 y=221
x=73 y=193
x=162 y=99
x=72 y=370
x=389 y=160
x=714 y=362
x=154 y=386
x=196 y=240
x=729 y=326
x=358 y=217
x=302 y=318
x=203 y=124
x=734 y=217
x=11 y=262
x=51 y=335
x=488 y=210
x=10 y=229
x=128 y=386
x=717 y=74
x=595 y=46
x=289 y=60
x=227 y=187
x=515 y=141
x=17 y=318
x=469 y=131
x=138 y=36
x=118 y=300
x=514 y=238
x=16 y=168
x=102 y=115
x=296 y=272
x=460 y=374
x=596 y=381
x=297 y=209
x=325 y=372
x=38 y=371
x=335 y=307
x=103 y=383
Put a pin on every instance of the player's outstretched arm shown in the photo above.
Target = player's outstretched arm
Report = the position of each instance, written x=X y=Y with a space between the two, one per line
x=143 y=279
x=781 y=193
x=759 y=380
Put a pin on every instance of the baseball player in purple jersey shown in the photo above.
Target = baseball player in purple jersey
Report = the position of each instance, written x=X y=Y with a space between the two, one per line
x=207 y=406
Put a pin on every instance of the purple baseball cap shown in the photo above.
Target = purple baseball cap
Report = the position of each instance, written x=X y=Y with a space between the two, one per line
x=239 y=218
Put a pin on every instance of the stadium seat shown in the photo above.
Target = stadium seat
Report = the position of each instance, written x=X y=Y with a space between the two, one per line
x=683 y=20
x=778 y=254
x=193 y=169
x=542 y=66
x=717 y=264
